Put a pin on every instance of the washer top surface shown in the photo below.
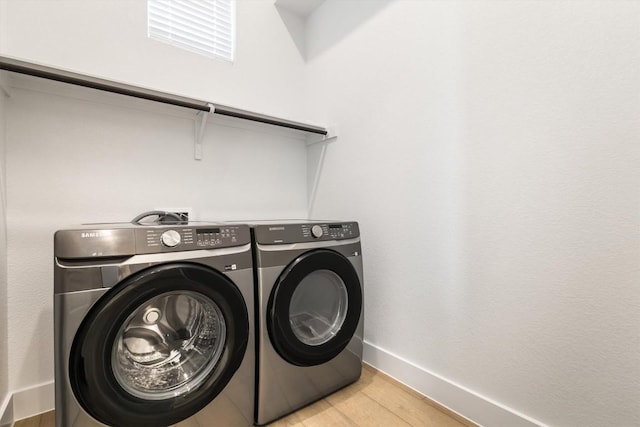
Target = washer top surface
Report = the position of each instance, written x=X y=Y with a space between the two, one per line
x=123 y=239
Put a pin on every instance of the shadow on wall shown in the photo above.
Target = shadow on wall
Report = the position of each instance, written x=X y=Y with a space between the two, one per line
x=352 y=14
x=4 y=332
x=40 y=342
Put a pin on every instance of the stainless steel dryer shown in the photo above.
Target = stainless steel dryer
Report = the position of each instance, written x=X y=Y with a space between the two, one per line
x=309 y=312
x=154 y=325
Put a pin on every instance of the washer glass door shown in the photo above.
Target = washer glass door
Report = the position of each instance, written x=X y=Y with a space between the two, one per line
x=159 y=346
x=168 y=345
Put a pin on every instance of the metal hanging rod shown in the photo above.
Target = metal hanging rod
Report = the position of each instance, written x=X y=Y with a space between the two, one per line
x=22 y=67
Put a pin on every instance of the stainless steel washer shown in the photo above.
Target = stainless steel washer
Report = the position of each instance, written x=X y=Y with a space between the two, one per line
x=154 y=325
x=309 y=312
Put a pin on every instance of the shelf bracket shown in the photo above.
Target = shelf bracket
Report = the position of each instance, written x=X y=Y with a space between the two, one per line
x=315 y=162
x=5 y=91
x=331 y=135
x=4 y=87
x=201 y=127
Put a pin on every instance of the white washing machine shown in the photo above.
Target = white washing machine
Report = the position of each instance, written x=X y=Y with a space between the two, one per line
x=154 y=325
x=309 y=312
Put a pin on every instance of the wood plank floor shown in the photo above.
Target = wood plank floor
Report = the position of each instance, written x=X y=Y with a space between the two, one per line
x=375 y=400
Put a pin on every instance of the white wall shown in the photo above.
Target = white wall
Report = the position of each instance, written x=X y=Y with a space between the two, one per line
x=4 y=374
x=490 y=151
x=4 y=355
x=109 y=39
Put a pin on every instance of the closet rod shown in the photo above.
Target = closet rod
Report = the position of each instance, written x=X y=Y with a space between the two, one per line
x=22 y=67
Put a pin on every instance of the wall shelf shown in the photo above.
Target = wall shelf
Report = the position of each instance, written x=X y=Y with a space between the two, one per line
x=204 y=108
x=317 y=137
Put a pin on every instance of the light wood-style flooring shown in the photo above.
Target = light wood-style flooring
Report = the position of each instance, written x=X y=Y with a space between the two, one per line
x=43 y=420
x=375 y=400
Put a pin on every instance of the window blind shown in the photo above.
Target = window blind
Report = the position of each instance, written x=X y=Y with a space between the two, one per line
x=206 y=27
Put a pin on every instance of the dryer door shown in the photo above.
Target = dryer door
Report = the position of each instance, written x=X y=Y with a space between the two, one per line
x=314 y=308
x=159 y=346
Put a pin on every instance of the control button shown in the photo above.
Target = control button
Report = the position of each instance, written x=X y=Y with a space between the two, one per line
x=316 y=230
x=170 y=238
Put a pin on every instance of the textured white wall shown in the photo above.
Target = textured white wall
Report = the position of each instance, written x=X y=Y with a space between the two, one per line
x=109 y=39
x=4 y=355
x=490 y=151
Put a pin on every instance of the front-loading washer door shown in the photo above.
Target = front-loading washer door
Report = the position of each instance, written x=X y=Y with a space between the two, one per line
x=159 y=346
x=314 y=308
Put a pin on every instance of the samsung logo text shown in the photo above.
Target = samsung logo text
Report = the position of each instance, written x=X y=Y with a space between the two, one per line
x=94 y=234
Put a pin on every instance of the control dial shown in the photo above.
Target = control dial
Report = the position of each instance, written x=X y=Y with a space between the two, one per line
x=170 y=238
x=316 y=230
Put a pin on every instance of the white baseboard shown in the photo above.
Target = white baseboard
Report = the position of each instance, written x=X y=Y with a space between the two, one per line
x=470 y=405
x=33 y=400
x=6 y=411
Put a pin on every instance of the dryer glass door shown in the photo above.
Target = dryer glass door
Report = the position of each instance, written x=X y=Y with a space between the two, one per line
x=314 y=308
x=318 y=307
x=159 y=346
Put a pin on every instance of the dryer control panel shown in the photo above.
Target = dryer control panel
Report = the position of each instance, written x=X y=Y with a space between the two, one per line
x=272 y=234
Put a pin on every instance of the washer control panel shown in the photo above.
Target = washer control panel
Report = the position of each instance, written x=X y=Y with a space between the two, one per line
x=272 y=234
x=217 y=236
x=176 y=238
x=115 y=240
